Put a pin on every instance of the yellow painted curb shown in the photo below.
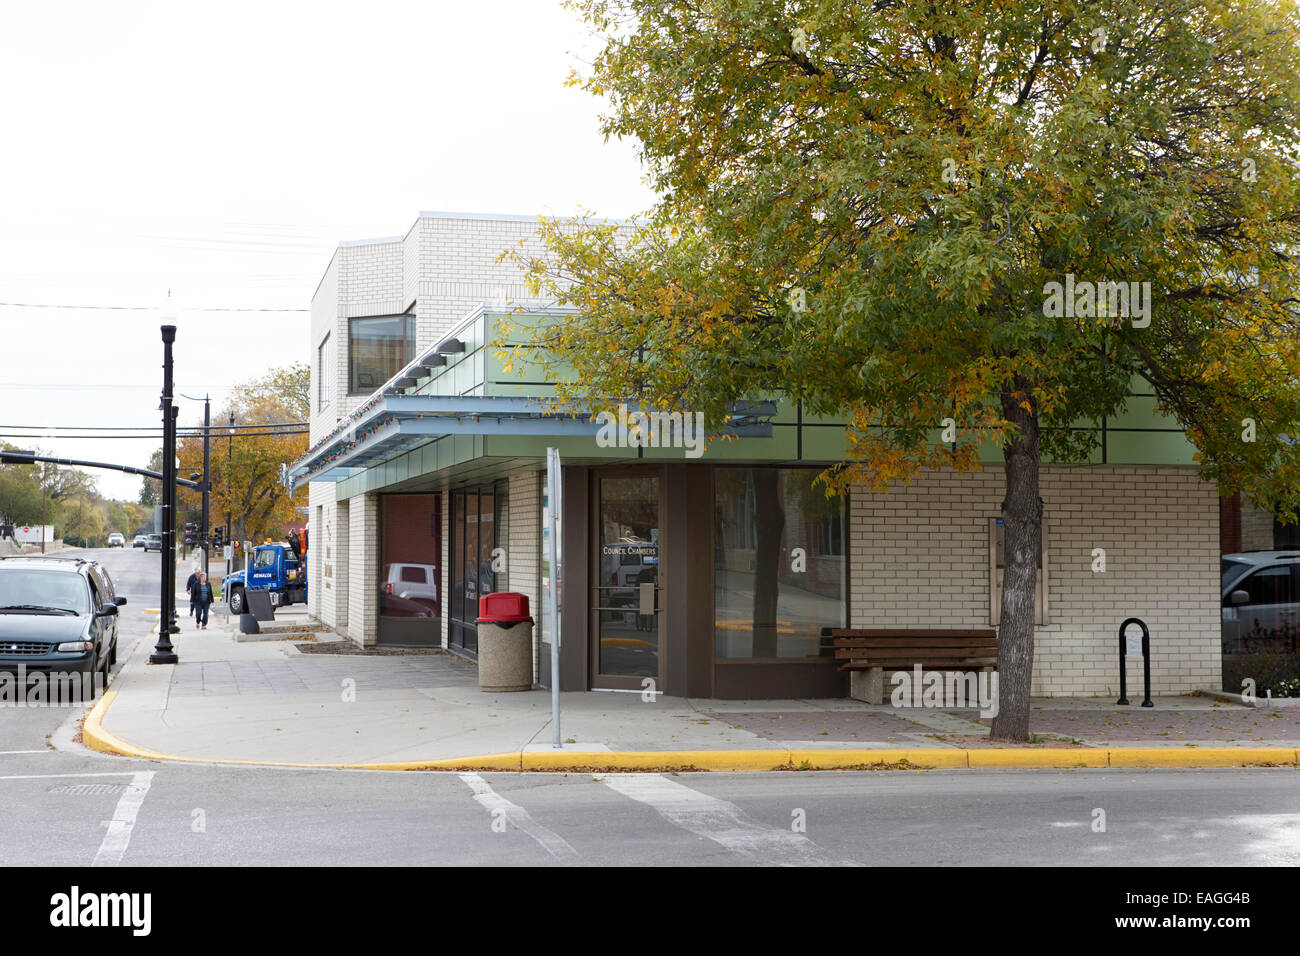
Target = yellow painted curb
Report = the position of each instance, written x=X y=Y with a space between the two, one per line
x=95 y=737
x=1027 y=757
x=821 y=759
x=1200 y=756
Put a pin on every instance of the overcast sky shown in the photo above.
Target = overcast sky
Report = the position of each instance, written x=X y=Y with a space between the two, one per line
x=219 y=151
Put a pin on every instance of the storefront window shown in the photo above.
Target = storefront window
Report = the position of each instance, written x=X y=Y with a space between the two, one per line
x=480 y=563
x=410 y=607
x=779 y=567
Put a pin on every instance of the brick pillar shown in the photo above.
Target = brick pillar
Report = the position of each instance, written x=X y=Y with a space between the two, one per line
x=363 y=569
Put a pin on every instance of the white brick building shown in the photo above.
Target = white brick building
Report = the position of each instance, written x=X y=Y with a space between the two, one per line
x=426 y=492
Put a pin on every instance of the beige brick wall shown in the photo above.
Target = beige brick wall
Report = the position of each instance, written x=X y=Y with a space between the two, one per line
x=919 y=556
x=327 y=594
x=363 y=569
x=524 y=549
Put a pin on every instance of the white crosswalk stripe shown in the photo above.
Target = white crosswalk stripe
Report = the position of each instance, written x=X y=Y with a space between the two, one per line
x=118 y=836
x=720 y=821
x=550 y=841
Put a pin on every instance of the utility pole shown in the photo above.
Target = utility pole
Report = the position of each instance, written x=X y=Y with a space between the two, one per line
x=230 y=450
x=44 y=489
x=164 y=653
x=207 y=483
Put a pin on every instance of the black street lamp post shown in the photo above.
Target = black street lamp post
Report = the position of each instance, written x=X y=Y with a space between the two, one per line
x=164 y=652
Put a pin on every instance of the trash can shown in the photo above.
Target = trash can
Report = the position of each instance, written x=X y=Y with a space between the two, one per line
x=505 y=643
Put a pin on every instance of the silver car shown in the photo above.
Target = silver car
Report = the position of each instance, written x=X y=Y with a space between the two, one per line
x=1261 y=601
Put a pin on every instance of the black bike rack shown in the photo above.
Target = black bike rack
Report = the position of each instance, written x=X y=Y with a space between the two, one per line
x=1146 y=662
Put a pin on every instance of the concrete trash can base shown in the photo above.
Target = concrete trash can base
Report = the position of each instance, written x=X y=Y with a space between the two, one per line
x=505 y=656
x=505 y=643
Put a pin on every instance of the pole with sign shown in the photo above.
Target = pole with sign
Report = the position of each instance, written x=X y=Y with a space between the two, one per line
x=553 y=557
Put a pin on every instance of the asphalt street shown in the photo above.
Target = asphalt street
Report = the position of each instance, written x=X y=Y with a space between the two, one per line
x=73 y=807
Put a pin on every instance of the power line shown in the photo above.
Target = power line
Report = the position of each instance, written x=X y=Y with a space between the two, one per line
x=158 y=428
x=132 y=308
x=180 y=434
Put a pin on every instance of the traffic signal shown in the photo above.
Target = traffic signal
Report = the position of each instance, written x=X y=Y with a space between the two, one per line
x=217 y=540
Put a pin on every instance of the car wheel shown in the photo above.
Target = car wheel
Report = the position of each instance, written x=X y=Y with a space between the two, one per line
x=236 y=600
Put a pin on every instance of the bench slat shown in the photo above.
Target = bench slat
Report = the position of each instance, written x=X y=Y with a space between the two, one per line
x=892 y=642
x=909 y=634
x=937 y=665
x=909 y=653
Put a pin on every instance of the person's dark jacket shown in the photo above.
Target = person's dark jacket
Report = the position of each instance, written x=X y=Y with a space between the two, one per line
x=191 y=584
x=202 y=594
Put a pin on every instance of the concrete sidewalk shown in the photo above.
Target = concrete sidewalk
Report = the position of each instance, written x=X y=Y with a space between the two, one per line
x=267 y=702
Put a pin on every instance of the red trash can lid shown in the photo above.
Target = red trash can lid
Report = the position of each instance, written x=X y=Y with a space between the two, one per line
x=503 y=606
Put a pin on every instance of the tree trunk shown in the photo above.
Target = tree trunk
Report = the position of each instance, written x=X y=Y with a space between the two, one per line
x=1022 y=522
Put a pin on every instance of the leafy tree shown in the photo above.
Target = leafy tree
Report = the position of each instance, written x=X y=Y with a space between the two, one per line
x=246 y=468
x=864 y=205
x=151 y=488
x=82 y=520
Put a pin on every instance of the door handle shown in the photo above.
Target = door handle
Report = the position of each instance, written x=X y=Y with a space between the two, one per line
x=647 y=598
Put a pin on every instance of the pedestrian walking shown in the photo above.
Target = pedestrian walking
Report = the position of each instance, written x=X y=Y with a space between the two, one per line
x=202 y=598
x=190 y=585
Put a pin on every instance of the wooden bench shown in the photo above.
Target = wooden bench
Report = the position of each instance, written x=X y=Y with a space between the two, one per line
x=868 y=652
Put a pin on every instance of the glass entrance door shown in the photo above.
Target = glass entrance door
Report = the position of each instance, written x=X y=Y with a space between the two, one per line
x=627 y=596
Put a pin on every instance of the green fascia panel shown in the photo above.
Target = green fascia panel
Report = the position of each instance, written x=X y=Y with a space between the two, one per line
x=572 y=447
x=1141 y=413
x=824 y=443
x=811 y=419
x=1149 y=448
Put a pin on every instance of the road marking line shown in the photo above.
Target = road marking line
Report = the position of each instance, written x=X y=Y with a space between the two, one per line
x=59 y=776
x=551 y=841
x=720 y=821
x=119 y=828
x=6 y=753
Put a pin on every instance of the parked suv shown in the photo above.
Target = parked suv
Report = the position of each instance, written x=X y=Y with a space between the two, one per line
x=1261 y=601
x=57 y=614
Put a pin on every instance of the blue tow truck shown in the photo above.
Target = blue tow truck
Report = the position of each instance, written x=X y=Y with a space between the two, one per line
x=278 y=567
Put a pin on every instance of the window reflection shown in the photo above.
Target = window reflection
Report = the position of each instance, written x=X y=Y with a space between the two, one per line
x=779 y=566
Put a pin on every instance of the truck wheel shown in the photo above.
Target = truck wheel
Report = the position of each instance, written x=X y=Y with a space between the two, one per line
x=236 y=600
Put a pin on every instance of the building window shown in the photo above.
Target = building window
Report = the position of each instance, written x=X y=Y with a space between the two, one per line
x=324 y=374
x=378 y=348
x=779 y=568
x=997 y=565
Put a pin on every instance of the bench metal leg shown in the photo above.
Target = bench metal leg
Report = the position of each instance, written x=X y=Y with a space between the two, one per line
x=868 y=685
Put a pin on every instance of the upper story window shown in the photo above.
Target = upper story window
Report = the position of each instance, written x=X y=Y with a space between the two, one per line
x=377 y=349
x=324 y=374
